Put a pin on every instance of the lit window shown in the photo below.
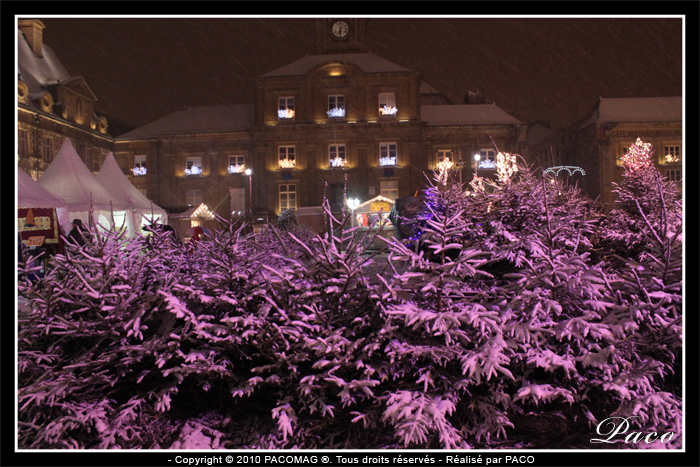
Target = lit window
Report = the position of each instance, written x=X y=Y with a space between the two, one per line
x=22 y=144
x=285 y=108
x=288 y=197
x=336 y=152
x=336 y=105
x=194 y=166
x=194 y=197
x=672 y=154
x=48 y=149
x=389 y=189
x=487 y=159
x=236 y=164
x=674 y=175
x=287 y=157
x=622 y=153
x=387 y=154
x=444 y=155
x=140 y=165
x=387 y=103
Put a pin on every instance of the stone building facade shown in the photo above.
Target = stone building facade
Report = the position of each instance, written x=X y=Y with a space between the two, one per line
x=598 y=142
x=342 y=114
x=53 y=105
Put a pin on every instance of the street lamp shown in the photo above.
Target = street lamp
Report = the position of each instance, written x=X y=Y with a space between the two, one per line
x=477 y=158
x=249 y=173
x=353 y=203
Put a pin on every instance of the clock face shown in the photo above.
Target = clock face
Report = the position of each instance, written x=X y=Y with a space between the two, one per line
x=340 y=29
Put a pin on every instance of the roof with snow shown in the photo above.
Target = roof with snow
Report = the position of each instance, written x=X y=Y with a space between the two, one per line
x=204 y=119
x=112 y=178
x=368 y=62
x=69 y=178
x=481 y=114
x=640 y=109
x=32 y=195
x=38 y=70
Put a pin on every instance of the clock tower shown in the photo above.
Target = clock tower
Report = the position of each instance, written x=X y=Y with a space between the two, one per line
x=341 y=35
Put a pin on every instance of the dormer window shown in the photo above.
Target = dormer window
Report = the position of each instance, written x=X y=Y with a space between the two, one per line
x=139 y=165
x=194 y=166
x=387 y=103
x=285 y=108
x=336 y=105
x=387 y=154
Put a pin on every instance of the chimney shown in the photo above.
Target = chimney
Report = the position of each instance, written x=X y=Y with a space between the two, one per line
x=32 y=29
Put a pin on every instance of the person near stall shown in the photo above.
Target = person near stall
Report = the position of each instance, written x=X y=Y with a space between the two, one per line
x=78 y=233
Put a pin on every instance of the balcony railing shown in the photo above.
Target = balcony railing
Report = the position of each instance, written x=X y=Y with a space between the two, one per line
x=388 y=110
x=236 y=169
x=194 y=170
x=337 y=113
x=285 y=114
x=338 y=162
x=388 y=161
x=287 y=163
x=139 y=170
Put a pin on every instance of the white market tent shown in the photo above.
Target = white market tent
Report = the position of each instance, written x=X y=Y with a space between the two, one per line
x=69 y=178
x=111 y=177
x=32 y=195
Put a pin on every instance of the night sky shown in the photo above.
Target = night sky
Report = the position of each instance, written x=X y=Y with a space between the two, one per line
x=142 y=69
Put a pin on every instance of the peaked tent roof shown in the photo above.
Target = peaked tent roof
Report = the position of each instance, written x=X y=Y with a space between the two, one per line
x=69 y=178
x=111 y=177
x=32 y=195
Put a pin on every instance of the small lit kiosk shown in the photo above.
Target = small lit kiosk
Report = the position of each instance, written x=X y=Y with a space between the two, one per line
x=373 y=216
x=189 y=217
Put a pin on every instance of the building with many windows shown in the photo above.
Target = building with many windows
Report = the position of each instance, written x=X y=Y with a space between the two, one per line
x=342 y=114
x=597 y=143
x=53 y=105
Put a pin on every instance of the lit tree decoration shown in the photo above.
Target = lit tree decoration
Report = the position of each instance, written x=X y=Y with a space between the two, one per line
x=444 y=167
x=139 y=170
x=506 y=166
x=194 y=170
x=388 y=110
x=338 y=162
x=477 y=184
x=389 y=160
x=638 y=156
x=285 y=113
x=287 y=163
x=337 y=112
x=236 y=169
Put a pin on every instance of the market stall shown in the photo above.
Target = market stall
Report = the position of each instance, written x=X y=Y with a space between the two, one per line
x=372 y=216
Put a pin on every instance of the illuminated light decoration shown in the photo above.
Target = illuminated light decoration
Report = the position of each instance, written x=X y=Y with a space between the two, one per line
x=388 y=110
x=236 y=169
x=670 y=158
x=203 y=211
x=390 y=160
x=337 y=112
x=194 y=170
x=569 y=168
x=444 y=168
x=139 y=170
x=489 y=208
x=487 y=164
x=353 y=203
x=285 y=113
x=338 y=162
x=376 y=199
x=638 y=156
x=477 y=184
x=287 y=163
x=506 y=166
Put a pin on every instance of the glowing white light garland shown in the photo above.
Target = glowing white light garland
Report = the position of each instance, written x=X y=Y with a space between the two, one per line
x=390 y=160
x=194 y=170
x=477 y=184
x=388 y=110
x=487 y=164
x=444 y=167
x=287 y=163
x=338 y=162
x=139 y=170
x=670 y=158
x=638 y=156
x=337 y=112
x=285 y=113
x=236 y=169
x=569 y=168
x=506 y=166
